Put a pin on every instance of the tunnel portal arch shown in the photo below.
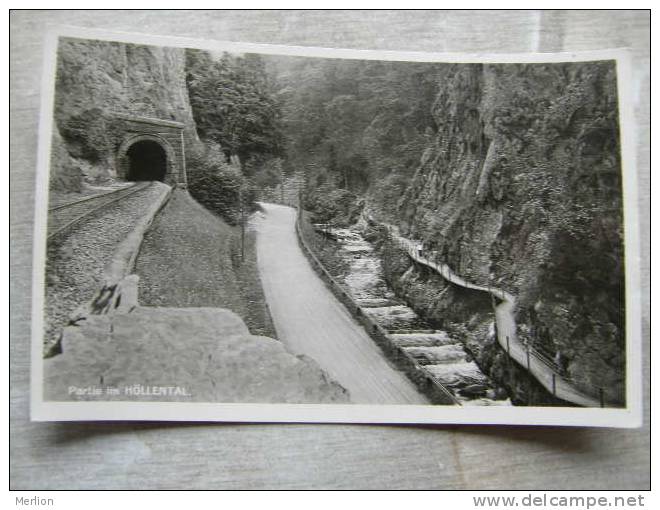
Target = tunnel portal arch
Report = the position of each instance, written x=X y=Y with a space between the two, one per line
x=137 y=153
x=147 y=161
x=151 y=149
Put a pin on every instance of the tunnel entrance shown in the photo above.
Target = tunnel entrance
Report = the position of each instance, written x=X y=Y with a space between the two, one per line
x=147 y=161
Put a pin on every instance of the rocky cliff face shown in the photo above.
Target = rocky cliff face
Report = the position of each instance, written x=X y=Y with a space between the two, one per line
x=521 y=188
x=181 y=354
x=96 y=79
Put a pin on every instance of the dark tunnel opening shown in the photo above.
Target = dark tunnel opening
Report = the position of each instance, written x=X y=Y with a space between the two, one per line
x=147 y=161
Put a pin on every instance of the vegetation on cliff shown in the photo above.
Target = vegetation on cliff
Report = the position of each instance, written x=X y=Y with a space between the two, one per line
x=511 y=171
x=353 y=126
x=233 y=103
x=521 y=187
x=238 y=119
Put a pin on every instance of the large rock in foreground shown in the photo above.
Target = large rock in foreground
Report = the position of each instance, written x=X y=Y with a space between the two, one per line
x=181 y=354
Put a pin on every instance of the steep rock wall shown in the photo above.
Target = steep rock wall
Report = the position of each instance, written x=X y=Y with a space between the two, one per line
x=521 y=187
x=466 y=314
x=97 y=79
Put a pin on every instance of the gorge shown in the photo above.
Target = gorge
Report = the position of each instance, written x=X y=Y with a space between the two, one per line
x=510 y=174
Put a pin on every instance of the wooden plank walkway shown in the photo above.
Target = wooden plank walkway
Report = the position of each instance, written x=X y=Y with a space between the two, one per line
x=527 y=357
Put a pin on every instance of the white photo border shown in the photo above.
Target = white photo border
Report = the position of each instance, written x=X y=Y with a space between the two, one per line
x=629 y=417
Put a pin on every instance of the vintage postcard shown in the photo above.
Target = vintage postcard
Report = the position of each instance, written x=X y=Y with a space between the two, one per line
x=243 y=232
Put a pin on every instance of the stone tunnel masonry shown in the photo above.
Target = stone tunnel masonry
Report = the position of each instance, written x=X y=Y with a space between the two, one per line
x=166 y=133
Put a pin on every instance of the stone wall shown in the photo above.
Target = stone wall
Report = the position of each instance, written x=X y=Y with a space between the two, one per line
x=97 y=83
x=168 y=134
x=425 y=383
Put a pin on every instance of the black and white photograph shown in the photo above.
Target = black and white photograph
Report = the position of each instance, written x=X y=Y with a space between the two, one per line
x=333 y=235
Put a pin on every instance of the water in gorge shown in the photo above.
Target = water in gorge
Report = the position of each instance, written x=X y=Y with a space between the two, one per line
x=434 y=350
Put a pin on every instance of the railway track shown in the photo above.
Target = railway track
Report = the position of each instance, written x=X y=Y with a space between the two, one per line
x=63 y=217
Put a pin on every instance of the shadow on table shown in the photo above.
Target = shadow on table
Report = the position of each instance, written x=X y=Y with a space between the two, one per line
x=567 y=439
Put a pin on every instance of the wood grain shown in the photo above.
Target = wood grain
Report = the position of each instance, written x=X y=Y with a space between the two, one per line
x=217 y=456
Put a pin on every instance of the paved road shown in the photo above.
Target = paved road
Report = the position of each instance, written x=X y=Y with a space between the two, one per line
x=311 y=321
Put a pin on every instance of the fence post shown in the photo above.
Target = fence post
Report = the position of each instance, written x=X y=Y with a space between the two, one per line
x=601 y=395
x=554 y=385
x=528 y=364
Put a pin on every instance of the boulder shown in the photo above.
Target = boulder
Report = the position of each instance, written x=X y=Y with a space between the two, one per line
x=180 y=354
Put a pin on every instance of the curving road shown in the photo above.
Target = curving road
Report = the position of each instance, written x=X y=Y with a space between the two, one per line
x=309 y=320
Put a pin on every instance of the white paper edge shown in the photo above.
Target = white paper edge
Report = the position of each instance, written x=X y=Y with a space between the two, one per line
x=629 y=417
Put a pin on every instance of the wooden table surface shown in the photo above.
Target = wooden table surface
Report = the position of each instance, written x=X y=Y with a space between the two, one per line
x=216 y=456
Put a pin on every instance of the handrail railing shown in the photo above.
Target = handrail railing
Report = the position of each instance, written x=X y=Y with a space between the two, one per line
x=556 y=381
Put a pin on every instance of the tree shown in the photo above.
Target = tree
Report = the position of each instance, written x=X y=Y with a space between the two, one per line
x=350 y=124
x=233 y=103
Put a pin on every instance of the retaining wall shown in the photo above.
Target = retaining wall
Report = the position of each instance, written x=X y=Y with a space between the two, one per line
x=118 y=293
x=425 y=382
